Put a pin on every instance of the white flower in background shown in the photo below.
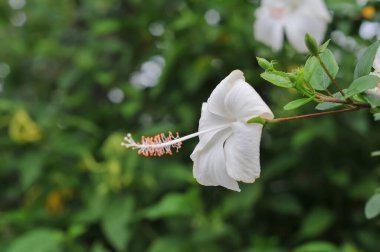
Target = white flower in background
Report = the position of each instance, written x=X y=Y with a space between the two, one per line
x=229 y=148
x=295 y=18
x=376 y=66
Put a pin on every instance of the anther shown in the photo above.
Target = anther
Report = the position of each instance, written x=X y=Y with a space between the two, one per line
x=158 y=145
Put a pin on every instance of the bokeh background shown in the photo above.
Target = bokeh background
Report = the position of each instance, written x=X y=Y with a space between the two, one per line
x=77 y=75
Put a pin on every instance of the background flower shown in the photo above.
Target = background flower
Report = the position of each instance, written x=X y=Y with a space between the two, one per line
x=295 y=18
x=376 y=71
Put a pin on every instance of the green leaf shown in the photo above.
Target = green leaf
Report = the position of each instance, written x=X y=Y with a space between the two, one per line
x=362 y=84
x=365 y=62
x=115 y=223
x=375 y=153
x=316 y=222
x=297 y=103
x=37 y=240
x=324 y=46
x=372 y=207
x=317 y=246
x=316 y=75
x=98 y=247
x=169 y=243
x=327 y=105
x=285 y=204
x=330 y=105
x=174 y=204
x=277 y=78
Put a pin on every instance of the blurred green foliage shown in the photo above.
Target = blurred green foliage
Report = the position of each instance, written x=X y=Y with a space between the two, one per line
x=68 y=97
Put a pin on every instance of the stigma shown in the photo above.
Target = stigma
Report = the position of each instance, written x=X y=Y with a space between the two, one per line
x=157 y=145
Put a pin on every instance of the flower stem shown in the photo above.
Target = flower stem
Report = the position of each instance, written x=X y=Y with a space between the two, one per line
x=336 y=100
x=311 y=115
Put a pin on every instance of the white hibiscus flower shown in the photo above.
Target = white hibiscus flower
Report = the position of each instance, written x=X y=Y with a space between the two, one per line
x=229 y=148
x=295 y=18
x=232 y=152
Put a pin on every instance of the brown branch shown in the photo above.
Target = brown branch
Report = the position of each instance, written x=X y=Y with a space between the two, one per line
x=311 y=115
x=336 y=100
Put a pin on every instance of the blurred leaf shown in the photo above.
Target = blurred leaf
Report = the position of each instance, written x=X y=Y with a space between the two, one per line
x=111 y=146
x=297 y=103
x=317 y=246
x=365 y=62
x=172 y=205
x=363 y=187
x=195 y=75
x=316 y=222
x=372 y=207
x=264 y=244
x=169 y=243
x=285 y=204
x=37 y=240
x=96 y=205
x=362 y=84
x=115 y=220
x=106 y=26
x=30 y=169
x=242 y=201
x=98 y=247
x=75 y=231
x=316 y=75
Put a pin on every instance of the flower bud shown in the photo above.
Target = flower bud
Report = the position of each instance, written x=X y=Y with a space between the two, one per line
x=311 y=44
x=264 y=64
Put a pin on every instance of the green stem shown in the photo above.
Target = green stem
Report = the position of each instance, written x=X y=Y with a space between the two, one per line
x=284 y=119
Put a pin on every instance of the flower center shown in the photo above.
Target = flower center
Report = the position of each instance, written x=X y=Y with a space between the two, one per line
x=277 y=12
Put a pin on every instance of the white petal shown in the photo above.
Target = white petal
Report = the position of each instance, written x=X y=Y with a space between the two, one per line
x=242 y=150
x=216 y=100
x=207 y=121
x=376 y=62
x=210 y=165
x=375 y=92
x=316 y=8
x=243 y=102
x=268 y=30
x=299 y=25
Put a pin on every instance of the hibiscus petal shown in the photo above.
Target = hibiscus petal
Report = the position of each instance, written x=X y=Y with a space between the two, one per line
x=268 y=30
x=316 y=8
x=210 y=165
x=216 y=99
x=242 y=151
x=243 y=102
x=300 y=24
x=207 y=121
